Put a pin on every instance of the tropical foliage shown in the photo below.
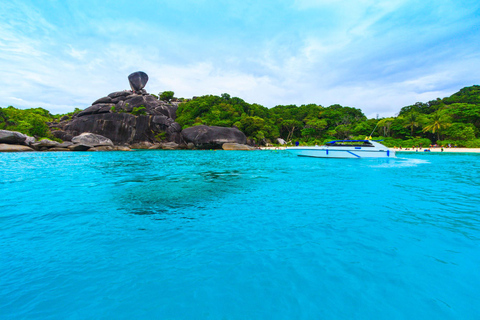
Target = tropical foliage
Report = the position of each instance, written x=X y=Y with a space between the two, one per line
x=453 y=120
x=32 y=122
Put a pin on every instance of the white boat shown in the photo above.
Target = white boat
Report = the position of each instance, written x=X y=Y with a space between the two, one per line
x=345 y=149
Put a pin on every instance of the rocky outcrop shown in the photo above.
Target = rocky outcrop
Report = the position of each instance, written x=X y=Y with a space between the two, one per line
x=45 y=144
x=205 y=137
x=14 y=137
x=140 y=120
x=125 y=117
x=126 y=128
x=236 y=146
x=14 y=148
x=62 y=135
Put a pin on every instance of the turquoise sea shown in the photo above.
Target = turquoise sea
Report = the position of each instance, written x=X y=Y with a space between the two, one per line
x=238 y=235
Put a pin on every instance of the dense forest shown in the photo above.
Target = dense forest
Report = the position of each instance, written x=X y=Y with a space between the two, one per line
x=453 y=120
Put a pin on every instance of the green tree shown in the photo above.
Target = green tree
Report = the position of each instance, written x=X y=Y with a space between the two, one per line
x=166 y=95
x=436 y=123
x=412 y=121
x=384 y=125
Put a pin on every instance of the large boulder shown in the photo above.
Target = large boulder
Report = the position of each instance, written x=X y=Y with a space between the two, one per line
x=45 y=143
x=63 y=135
x=204 y=137
x=12 y=137
x=92 y=140
x=126 y=128
x=13 y=148
x=138 y=80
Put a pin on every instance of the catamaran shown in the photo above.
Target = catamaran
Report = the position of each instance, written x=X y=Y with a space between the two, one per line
x=345 y=149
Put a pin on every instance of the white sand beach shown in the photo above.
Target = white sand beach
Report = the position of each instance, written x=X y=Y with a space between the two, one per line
x=459 y=150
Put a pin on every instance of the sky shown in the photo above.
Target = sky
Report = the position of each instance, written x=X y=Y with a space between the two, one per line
x=378 y=56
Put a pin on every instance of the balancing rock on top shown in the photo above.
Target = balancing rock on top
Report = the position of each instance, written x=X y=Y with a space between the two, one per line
x=138 y=80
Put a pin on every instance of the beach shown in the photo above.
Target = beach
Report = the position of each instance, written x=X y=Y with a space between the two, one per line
x=457 y=150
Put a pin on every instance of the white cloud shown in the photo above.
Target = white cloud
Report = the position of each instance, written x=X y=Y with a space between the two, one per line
x=352 y=63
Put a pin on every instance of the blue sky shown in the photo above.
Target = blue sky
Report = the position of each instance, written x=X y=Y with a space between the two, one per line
x=374 y=55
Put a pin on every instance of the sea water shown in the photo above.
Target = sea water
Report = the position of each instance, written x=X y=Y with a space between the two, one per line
x=238 y=235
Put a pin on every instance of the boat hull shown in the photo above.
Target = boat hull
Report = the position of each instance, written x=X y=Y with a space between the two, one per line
x=350 y=153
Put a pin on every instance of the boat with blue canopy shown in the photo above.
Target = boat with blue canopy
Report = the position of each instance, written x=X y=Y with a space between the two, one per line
x=349 y=149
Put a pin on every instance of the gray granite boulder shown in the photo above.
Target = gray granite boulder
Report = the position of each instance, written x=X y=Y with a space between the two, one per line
x=45 y=143
x=97 y=108
x=64 y=144
x=103 y=100
x=124 y=128
x=61 y=134
x=117 y=94
x=12 y=137
x=92 y=140
x=138 y=80
x=205 y=137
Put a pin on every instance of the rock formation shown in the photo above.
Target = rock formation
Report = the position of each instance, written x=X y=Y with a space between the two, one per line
x=138 y=80
x=4 y=147
x=12 y=141
x=14 y=137
x=92 y=140
x=126 y=117
x=140 y=120
x=205 y=137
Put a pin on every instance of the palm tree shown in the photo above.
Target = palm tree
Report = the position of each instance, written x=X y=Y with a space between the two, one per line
x=438 y=121
x=412 y=119
x=386 y=124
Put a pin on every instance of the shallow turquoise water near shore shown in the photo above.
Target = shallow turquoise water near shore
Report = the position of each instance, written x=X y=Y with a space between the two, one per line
x=238 y=235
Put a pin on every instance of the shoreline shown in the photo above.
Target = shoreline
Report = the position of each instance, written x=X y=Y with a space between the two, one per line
x=445 y=150
x=432 y=150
